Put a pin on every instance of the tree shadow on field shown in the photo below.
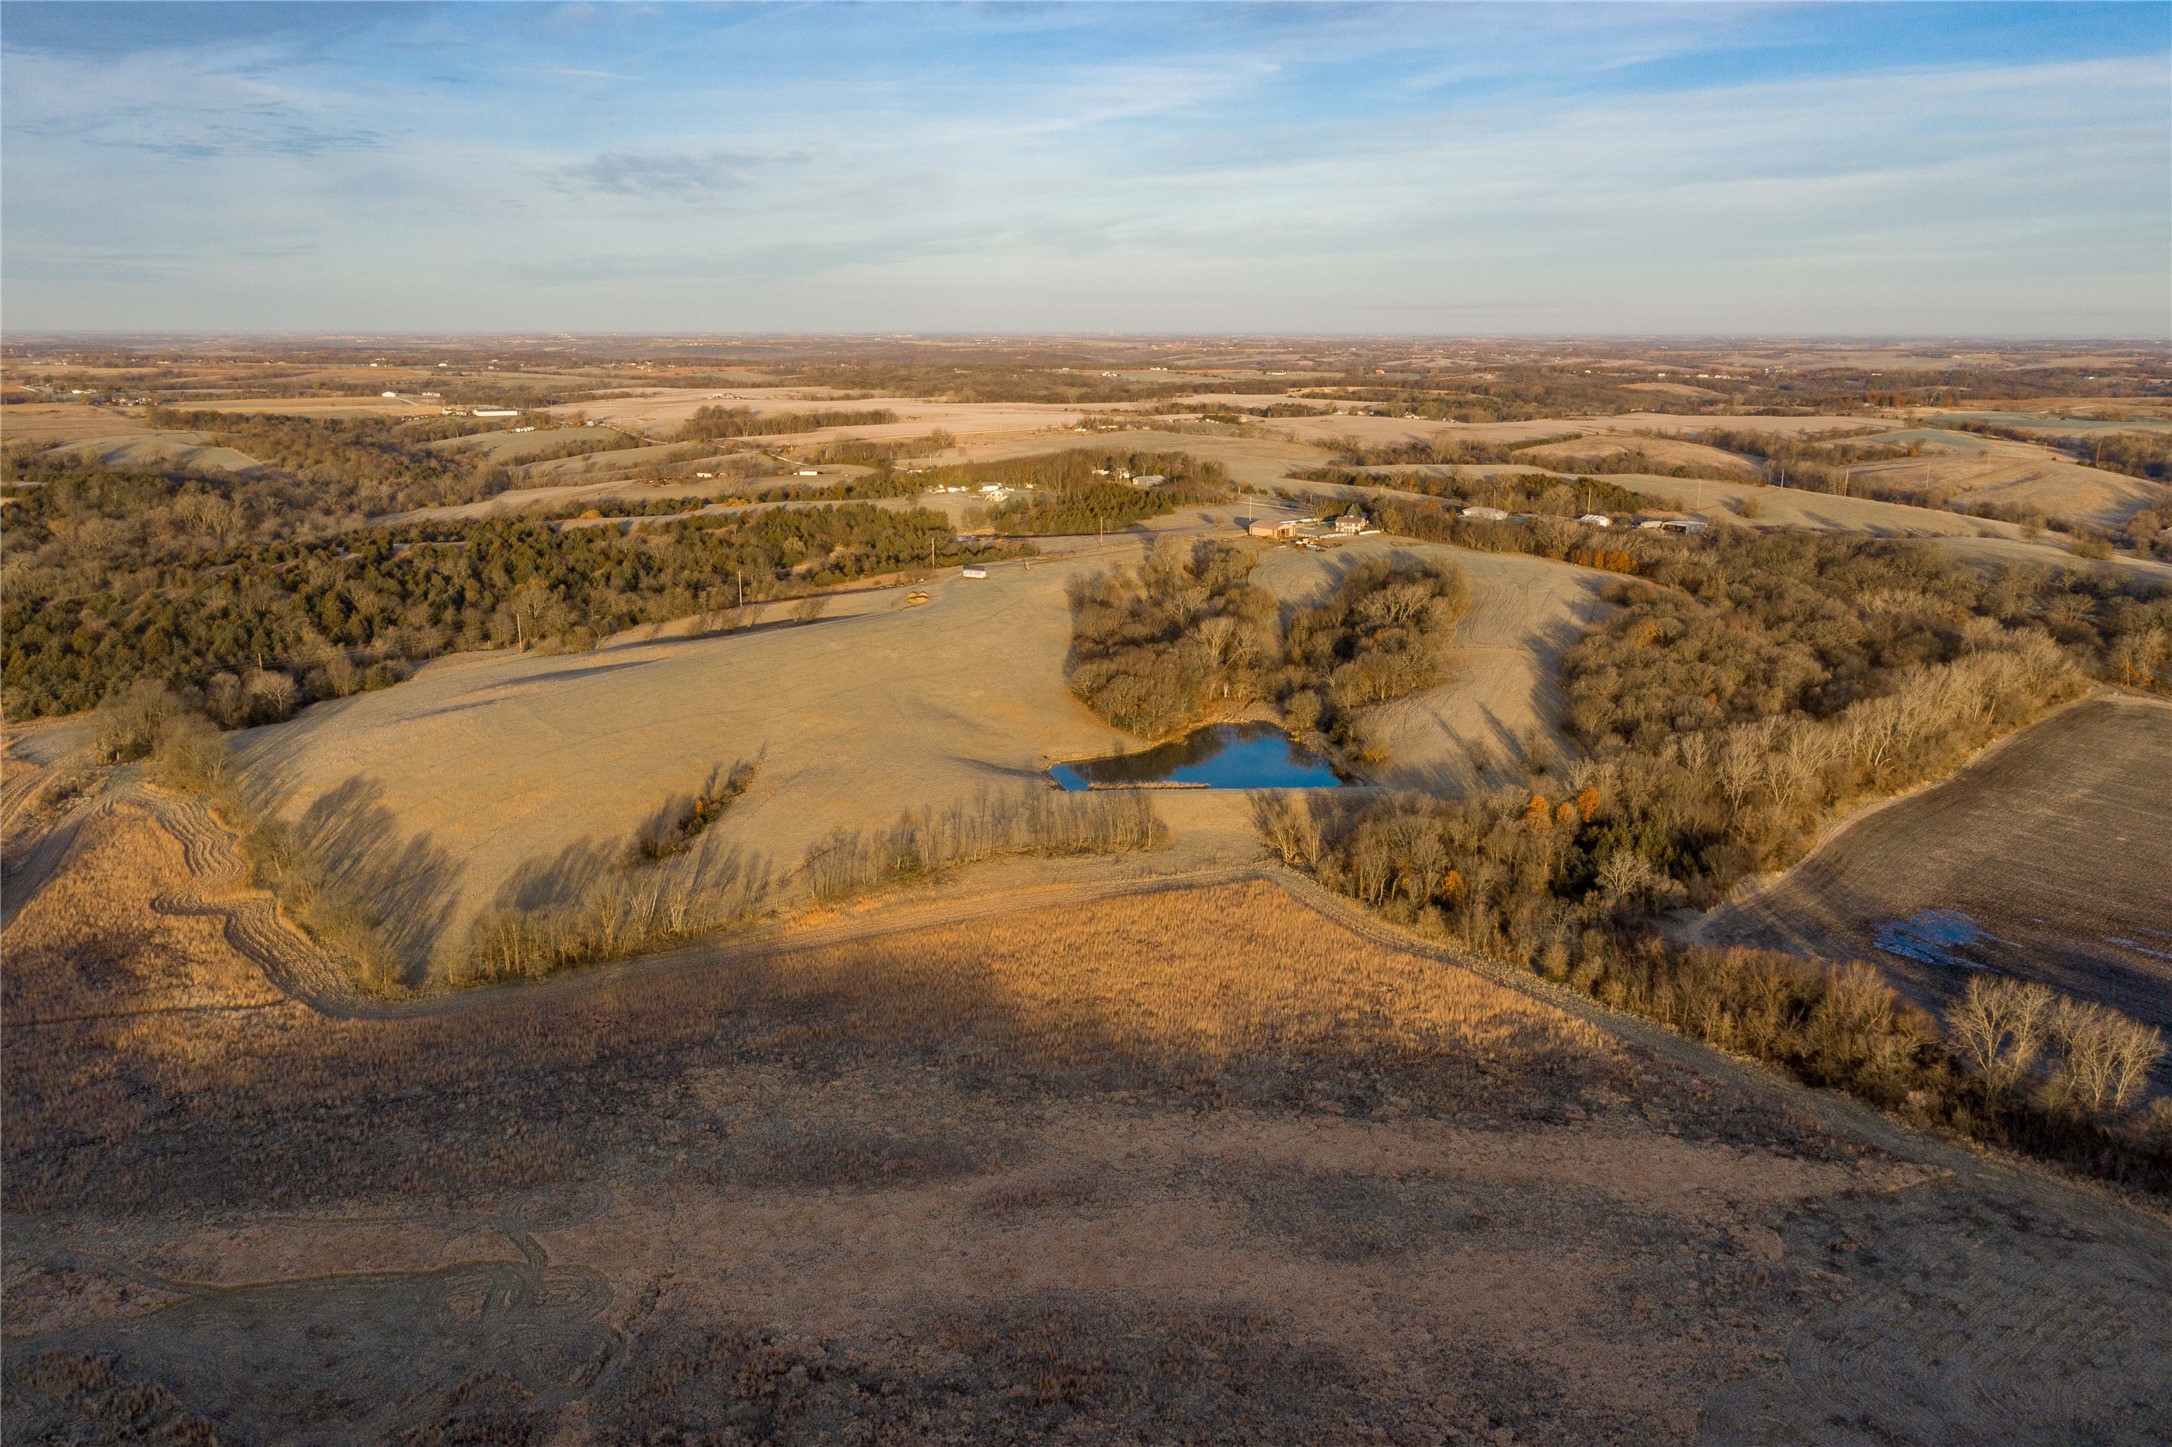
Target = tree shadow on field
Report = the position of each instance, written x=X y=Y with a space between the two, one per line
x=1928 y=934
x=596 y=878
x=546 y=880
x=404 y=884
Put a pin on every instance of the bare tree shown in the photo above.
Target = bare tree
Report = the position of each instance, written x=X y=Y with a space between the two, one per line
x=2104 y=1057
x=1288 y=825
x=2000 y=1027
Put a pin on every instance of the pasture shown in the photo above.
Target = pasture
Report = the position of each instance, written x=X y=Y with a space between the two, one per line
x=1204 y=1164
x=154 y=451
x=511 y=775
x=1501 y=704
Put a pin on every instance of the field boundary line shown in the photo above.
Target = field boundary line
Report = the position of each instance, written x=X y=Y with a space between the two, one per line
x=1751 y=890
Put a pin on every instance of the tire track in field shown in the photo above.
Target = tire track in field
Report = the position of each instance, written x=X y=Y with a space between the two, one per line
x=222 y=889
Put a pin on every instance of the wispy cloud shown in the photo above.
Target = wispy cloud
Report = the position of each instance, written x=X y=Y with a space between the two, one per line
x=684 y=177
x=1043 y=167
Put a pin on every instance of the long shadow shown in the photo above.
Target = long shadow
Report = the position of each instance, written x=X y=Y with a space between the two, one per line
x=566 y=879
x=404 y=884
x=557 y=675
x=544 y=881
x=1929 y=940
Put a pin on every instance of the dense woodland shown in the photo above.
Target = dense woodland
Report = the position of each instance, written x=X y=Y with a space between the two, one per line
x=715 y=423
x=114 y=577
x=348 y=467
x=1188 y=637
x=1746 y=689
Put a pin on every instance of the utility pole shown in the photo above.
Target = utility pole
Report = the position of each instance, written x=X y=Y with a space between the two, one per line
x=740 y=574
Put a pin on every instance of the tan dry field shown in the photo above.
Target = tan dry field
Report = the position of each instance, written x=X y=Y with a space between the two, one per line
x=1260 y=460
x=492 y=780
x=493 y=775
x=1982 y=539
x=2016 y=474
x=663 y=411
x=1502 y=702
x=2049 y=858
x=515 y=447
x=1201 y=1165
x=2062 y=414
x=394 y=407
x=1566 y=456
x=2015 y=551
x=48 y=423
x=158 y=450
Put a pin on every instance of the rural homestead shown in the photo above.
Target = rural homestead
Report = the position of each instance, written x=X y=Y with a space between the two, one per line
x=1222 y=724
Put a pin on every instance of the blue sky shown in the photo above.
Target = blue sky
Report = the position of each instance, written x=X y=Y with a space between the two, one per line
x=1930 y=169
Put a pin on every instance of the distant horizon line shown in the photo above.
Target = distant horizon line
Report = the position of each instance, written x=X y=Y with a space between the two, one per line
x=359 y=334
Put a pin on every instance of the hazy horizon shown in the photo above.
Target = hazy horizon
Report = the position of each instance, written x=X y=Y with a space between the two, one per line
x=1908 y=173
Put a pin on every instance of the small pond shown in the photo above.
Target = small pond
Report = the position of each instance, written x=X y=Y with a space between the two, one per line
x=1220 y=756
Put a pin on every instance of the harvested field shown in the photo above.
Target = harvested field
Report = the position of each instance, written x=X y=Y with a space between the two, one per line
x=48 y=423
x=2047 y=859
x=661 y=412
x=1823 y=511
x=2020 y=475
x=1592 y=450
x=321 y=406
x=1194 y=1166
x=516 y=447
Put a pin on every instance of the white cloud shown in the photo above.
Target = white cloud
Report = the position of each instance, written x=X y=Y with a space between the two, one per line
x=1291 y=175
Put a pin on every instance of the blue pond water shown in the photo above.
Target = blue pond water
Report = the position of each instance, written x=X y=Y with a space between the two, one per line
x=1220 y=756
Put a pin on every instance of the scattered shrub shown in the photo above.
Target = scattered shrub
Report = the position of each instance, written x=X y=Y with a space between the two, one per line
x=925 y=842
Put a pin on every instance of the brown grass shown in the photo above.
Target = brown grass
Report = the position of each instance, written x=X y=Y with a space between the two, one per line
x=1190 y=1166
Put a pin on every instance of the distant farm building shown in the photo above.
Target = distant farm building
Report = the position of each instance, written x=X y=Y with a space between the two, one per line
x=1148 y=479
x=496 y=412
x=1487 y=514
x=1351 y=524
x=1596 y=520
x=1288 y=528
x=975 y=570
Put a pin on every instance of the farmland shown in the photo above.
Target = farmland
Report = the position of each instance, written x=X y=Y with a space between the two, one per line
x=538 y=858
x=2044 y=860
x=1202 y=1160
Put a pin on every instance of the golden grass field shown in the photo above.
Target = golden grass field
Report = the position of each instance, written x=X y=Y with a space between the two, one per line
x=1193 y=1165
x=1501 y=704
x=501 y=779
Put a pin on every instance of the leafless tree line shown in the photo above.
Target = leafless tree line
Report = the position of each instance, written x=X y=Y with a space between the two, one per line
x=2079 y=1055
x=926 y=841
